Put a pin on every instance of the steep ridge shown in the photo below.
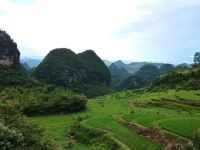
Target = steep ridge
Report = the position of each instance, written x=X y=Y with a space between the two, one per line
x=12 y=74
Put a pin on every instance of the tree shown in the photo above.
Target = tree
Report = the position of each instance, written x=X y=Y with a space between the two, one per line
x=197 y=58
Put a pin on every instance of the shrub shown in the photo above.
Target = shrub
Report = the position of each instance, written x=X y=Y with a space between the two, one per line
x=97 y=139
x=45 y=100
x=16 y=133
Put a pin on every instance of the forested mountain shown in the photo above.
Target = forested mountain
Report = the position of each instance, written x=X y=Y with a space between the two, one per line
x=145 y=71
x=9 y=53
x=180 y=78
x=79 y=72
x=12 y=74
x=26 y=66
x=166 y=68
x=132 y=82
x=135 y=66
x=117 y=74
x=95 y=70
x=16 y=76
x=120 y=64
x=148 y=72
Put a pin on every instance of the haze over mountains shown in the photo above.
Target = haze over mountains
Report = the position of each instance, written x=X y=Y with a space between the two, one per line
x=131 y=66
x=31 y=62
x=123 y=75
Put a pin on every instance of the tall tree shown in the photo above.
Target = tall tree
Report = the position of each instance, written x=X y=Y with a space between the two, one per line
x=197 y=58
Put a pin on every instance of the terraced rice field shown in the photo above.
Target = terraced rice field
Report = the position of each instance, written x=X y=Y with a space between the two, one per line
x=168 y=110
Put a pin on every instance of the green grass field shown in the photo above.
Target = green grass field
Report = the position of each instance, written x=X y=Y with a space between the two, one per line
x=103 y=111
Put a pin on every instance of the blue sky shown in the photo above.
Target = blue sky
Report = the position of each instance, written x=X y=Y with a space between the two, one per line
x=137 y=30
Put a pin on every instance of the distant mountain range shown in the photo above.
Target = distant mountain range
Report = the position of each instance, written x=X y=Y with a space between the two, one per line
x=31 y=62
x=136 y=74
x=132 y=67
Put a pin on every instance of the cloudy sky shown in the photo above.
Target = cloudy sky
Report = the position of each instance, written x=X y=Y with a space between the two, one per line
x=138 y=30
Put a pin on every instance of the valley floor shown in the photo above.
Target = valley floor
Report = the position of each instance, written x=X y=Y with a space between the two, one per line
x=134 y=119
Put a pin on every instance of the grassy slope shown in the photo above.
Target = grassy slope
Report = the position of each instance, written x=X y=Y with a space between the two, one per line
x=121 y=105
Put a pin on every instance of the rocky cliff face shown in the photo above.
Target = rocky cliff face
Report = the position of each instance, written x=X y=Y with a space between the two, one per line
x=9 y=54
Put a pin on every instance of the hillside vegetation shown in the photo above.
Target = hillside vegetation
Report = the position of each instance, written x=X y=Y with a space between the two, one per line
x=132 y=82
x=129 y=120
x=180 y=78
x=117 y=74
x=81 y=72
x=16 y=76
x=146 y=73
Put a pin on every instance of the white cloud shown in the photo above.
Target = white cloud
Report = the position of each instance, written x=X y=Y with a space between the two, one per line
x=74 y=24
x=89 y=24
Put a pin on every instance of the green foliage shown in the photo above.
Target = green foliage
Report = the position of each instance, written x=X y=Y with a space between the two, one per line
x=46 y=100
x=16 y=76
x=91 y=90
x=97 y=139
x=187 y=78
x=117 y=74
x=180 y=123
x=34 y=97
x=58 y=67
x=17 y=134
x=166 y=68
x=26 y=67
x=197 y=58
x=95 y=69
x=64 y=68
x=132 y=82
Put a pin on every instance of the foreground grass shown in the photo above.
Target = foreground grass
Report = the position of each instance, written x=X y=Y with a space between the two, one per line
x=102 y=113
x=122 y=133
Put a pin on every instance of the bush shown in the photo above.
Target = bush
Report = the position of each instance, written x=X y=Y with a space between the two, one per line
x=97 y=139
x=187 y=79
x=45 y=100
x=17 y=134
x=16 y=76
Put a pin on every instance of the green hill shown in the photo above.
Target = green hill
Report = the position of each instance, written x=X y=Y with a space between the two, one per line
x=79 y=72
x=16 y=76
x=12 y=74
x=95 y=69
x=135 y=66
x=120 y=64
x=117 y=74
x=132 y=82
x=148 y=72
x=166 y=68
x=60 y=67
x=180 y=78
